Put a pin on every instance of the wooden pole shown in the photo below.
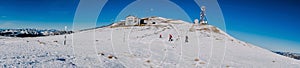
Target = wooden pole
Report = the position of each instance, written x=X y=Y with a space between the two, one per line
x=65 y=41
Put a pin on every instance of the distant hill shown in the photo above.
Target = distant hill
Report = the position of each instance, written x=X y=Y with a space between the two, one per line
x=289 y=54
x=31 y=32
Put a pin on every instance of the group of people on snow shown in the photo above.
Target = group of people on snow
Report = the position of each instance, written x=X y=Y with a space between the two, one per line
x=171 y=37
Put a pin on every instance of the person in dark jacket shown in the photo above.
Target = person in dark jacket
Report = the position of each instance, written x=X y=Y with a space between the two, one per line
x=186 y=39
x=160 y=36
x=170 y=37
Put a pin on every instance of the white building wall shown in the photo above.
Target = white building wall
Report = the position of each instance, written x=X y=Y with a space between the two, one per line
x=131 y=20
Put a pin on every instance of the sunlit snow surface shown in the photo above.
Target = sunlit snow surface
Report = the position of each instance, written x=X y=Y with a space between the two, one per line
x=140 y=47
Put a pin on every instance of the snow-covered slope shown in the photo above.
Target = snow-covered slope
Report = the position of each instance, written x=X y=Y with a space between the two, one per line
x=140 y=47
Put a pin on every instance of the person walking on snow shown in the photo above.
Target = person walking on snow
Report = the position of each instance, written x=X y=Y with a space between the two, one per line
x=160 y=36
x=170 y=37
x=186 y=39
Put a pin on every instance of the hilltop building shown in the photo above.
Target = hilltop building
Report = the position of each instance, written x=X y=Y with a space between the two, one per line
x=196 y=21
x=133 y=20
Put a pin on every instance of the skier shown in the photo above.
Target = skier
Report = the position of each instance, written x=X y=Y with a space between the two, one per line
x=170 y=37
x=186 y=39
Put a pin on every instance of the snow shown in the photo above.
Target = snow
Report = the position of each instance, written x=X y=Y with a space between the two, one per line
x=140 y=47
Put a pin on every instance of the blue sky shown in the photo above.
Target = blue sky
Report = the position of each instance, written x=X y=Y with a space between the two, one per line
x=271 y=24
x=36 y=13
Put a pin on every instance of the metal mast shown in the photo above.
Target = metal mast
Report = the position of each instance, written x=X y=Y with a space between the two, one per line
x=202 y=15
